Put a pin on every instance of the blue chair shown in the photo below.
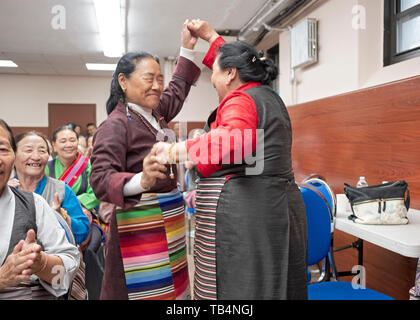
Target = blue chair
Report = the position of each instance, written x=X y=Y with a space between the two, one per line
x=319 y=183
x=319 y=242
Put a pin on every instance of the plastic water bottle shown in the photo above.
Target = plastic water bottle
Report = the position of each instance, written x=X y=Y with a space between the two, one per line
x=361 y=183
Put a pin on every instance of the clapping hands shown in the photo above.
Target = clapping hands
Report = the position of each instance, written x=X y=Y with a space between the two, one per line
x=25 y=260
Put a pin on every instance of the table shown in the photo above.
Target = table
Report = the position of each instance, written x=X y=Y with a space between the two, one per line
x=402 y=239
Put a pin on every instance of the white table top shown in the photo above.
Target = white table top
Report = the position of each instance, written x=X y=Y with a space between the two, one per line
x=402 y=239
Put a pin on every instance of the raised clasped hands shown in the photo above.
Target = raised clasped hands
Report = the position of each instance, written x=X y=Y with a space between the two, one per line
x=202 y=29
x=187 y=38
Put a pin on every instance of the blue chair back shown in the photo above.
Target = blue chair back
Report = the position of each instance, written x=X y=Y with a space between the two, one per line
x=321 y=188
x=319 y=226
x=321 y=185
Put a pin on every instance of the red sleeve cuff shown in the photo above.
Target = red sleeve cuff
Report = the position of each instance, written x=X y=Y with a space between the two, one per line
x=212 y=53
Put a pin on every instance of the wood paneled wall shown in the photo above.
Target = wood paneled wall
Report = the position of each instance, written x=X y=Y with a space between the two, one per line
x=19 y=130
x=374 y=133
x=191 y=125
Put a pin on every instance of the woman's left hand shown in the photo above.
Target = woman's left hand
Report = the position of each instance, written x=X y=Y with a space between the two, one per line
x=162 y=152
x=56 y=205
x=188 y=40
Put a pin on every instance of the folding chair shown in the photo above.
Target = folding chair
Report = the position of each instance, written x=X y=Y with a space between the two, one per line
x=319 y=183
x=319 y=244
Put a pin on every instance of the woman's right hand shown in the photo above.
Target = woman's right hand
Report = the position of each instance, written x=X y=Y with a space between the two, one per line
x=14 y=183
x=152 y=170
x=203 y=30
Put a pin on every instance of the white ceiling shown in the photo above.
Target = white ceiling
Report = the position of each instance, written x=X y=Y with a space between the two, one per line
x=28 y=38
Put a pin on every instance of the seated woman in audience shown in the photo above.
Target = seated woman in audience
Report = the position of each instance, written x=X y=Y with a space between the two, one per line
x=31 y=159
x=36 y=260
x=74 y=169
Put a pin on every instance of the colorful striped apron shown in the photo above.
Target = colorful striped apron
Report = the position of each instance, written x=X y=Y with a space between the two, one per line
x=153 y=247
x=207 y=197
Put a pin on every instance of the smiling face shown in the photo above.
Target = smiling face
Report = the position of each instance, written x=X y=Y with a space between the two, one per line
x=145 y=84
x=31 y=156
x=66 y=144
x=7 y=157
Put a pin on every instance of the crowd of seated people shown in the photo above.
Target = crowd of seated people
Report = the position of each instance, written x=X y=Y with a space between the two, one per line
x=47 y=183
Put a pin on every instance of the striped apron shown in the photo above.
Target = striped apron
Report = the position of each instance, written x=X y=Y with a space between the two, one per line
x=153 y=247
x=207 y=197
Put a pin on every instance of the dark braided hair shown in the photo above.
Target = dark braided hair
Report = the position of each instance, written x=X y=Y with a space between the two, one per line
x=126 y=65
x=251 y=65
x=62 y=128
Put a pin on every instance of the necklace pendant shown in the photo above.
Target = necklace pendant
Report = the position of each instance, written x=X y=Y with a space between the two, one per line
x=171 y=174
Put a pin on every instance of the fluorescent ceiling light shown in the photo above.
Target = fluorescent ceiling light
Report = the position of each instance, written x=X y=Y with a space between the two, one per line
x=101 y=66
x=108 y=16
x=8 y=64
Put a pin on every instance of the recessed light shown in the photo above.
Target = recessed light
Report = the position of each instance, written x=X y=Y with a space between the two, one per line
x=101 y=66
x=8 y=64
x=108 y=16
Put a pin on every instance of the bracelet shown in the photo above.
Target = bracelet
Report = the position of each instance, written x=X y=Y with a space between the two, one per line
x=63 y=213
x=171 y=158
x=46 y=262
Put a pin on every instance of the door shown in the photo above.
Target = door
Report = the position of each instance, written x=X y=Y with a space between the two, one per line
x=60 y=114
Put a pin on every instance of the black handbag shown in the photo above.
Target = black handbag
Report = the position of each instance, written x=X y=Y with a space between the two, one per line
x=385 y=203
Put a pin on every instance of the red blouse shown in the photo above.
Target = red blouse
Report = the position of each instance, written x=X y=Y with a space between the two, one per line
x=233 y=133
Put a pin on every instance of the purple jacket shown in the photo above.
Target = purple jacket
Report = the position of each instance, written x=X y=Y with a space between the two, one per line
x=120 y=145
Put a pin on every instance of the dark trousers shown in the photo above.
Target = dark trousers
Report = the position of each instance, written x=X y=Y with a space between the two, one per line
x=94 y=259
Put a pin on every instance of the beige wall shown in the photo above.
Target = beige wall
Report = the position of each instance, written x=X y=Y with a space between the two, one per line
x=24 y=99
x=349 y=58
x=201 y=100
